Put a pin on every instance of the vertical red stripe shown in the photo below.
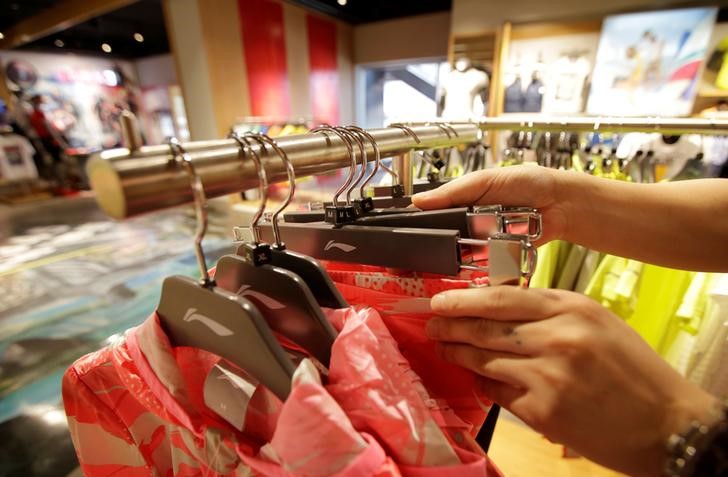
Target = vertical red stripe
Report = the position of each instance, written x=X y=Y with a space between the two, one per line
x=324 y=69
x=264 y=45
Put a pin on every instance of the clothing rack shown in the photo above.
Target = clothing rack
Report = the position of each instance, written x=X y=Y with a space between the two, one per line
x=141 y=179
x=132 y=181
x=667 y=126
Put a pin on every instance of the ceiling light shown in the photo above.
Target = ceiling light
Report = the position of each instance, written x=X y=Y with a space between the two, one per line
x=59 y=43
x=2 y=37
x=341 y=2
x=106 y=47
x=139 y=37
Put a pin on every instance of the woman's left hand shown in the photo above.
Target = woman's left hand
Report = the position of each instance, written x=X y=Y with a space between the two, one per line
x=570 y=369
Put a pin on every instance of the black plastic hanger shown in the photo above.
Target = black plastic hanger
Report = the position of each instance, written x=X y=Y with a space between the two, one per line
x=204 y=316
x=282 y=296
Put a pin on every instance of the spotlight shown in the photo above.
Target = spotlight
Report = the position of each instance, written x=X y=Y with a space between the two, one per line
x=59 y=43
x=341 y=2
x=139 y=37
x=106 y=47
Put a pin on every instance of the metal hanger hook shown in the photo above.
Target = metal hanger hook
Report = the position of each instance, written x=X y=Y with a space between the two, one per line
x=377 y=157
x=264 y=139
x=244 y=144
x=364 y=160
x=352 y=166
x=409 y=131
x=181 y=156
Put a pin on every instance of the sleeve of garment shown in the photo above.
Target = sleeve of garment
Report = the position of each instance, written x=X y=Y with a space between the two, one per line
x=103 y=443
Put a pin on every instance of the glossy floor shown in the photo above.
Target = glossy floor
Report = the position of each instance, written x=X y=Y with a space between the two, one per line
x=69 y=279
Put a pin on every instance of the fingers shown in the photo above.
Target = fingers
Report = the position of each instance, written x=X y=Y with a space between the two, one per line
x=504 y=303
x=502 y=393
x=482 y=333
x=506 y=367
x=466 y=190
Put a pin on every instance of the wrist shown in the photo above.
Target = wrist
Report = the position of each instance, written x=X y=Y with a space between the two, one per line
x=702 y=448
x=574 y=193
x=682 y=418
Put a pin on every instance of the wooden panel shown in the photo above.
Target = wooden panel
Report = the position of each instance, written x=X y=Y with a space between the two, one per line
x=495 y=103
x=526 y=31
x=264 y=45
x=60 y=17
x=479 y=49
x=294 y=19
x=324 y=81
x=520 y=452
x=225 y=62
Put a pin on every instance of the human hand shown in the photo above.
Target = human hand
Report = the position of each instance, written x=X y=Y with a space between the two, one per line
x=571 y=370
x=532 y=186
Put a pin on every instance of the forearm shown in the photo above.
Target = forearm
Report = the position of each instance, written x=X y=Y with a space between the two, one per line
x=680 y=224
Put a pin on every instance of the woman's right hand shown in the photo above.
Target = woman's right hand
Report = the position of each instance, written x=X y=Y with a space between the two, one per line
x=537 y=187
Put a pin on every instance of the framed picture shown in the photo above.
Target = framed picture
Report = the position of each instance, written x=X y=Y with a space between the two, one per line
x=649 y=64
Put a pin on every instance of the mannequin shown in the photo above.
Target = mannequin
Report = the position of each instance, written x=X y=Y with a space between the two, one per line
x=461 y=95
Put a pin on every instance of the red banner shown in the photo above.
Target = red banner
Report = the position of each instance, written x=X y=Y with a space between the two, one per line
x=264 y=46
x=324 y=85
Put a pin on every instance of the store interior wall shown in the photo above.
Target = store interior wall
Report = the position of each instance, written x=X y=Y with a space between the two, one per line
x=184 y=28
x=233 y=66
x=421 y=36
x=477 y=16
x=156 y=70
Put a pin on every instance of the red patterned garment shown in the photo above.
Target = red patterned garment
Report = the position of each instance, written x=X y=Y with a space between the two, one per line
x=403 y=301
x=143 y=408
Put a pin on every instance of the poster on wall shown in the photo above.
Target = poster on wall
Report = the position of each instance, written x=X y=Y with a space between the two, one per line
x=649 y=63
x=549 y=75
x=83 y=97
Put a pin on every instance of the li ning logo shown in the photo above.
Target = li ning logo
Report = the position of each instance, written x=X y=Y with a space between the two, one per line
x=215 y=327
x=269 y=302
x=344 y=247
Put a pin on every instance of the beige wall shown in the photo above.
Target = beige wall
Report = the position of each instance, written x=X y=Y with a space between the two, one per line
x=156 y=70
x=186 y=39
x=476 y=16
x=422 y=36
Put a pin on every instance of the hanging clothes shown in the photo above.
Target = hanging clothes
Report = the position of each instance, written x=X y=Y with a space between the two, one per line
x=699 y=350
x=145 y=408
x=405 y=311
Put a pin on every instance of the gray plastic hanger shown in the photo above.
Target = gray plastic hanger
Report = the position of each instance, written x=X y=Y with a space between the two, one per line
x=201 y=315
x=283 y=297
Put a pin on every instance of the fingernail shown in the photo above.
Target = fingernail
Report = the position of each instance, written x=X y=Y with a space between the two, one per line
x=432 y=327
x=438 y=301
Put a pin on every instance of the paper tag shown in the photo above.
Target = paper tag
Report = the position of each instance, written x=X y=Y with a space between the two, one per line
x=228 y=393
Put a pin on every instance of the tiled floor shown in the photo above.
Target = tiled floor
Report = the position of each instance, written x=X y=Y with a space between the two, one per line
x=69 y=279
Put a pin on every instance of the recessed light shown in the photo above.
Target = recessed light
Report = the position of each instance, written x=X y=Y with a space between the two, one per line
x=59 y=43
x=106 y=47
x=139 y=37
x=341 y=2
x=2 y=37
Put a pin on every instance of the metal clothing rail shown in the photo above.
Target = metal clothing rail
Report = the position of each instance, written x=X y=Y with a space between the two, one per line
x=129 y=182
x=616 y=125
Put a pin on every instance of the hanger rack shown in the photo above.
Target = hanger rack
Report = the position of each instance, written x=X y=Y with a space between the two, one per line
x=668 y=126
x=130 y=181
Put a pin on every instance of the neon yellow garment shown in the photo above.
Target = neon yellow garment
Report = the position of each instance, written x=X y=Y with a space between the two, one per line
x=605 y=286
x=690 y=316
x=548 y=259
x=659 y=296
x=646 y=296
